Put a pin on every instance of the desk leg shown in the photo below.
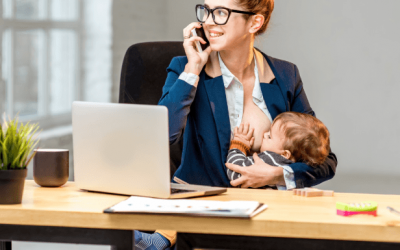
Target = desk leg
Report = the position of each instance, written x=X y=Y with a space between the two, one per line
x=186 y=241
x=5 y=245
x=126 y=244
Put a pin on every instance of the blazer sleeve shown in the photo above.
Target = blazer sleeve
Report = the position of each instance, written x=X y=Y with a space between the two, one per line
x=304 y=175
x=177 y=96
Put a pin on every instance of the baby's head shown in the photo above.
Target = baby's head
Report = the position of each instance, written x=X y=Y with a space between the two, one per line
x=298 y=137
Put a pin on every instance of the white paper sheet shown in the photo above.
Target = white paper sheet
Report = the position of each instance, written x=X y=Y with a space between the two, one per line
x=185 y=206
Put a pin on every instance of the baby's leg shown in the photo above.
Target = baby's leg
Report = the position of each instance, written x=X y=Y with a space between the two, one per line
x=169 y=235
x=154 y=241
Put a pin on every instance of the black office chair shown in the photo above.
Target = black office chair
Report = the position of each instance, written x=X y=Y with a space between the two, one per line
x=143 y=75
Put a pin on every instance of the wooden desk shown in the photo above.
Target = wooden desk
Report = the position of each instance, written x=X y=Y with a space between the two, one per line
x=69 y=215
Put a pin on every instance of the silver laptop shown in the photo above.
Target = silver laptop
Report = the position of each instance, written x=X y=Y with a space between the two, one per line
x=124 y=149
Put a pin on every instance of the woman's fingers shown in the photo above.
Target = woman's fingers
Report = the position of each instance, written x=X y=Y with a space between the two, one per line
x=257 y=175
x=190 y=46
x=245 y=184
x=196 y=59
x=187 y=31
x=241 y=180
x=238 y=181
x=234 y=168
x=191 y=41
x=195 y=38
x=202 y=40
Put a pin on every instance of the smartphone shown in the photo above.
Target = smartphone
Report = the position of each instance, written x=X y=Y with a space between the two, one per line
x=200 y=32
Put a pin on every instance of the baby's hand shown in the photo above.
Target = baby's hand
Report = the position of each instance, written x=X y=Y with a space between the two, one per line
x=244 y=134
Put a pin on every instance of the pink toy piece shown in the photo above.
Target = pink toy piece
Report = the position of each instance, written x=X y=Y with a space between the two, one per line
x=312 y=192
x=327 y=193
x=350 y=213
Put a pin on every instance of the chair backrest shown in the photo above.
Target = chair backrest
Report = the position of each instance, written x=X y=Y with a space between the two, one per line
x=143 y=75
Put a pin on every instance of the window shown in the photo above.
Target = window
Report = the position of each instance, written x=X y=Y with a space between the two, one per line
x=40 y=56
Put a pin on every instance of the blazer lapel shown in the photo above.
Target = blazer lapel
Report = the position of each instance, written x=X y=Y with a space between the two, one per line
x=265 y=74
x=273 y=96
x=216 y=96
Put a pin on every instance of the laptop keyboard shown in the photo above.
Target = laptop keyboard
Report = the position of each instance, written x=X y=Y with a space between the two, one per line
x=177 y=191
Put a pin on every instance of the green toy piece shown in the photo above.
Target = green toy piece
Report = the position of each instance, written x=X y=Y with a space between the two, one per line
x=357 y=207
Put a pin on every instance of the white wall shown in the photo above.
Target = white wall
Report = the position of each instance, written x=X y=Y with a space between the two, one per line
x=349 y=59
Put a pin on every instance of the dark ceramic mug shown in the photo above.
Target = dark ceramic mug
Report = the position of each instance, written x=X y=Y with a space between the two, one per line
x=51 y=167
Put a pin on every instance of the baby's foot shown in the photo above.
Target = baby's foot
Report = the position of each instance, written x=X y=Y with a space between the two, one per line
x=153 y=241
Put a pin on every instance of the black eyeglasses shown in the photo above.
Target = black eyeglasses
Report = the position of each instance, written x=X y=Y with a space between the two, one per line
x=220 y=17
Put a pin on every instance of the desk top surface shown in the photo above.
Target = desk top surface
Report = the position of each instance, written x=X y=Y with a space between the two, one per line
x=286 y=216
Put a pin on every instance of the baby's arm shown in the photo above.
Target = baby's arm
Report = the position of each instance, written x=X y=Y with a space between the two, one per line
x=240 y=146
x=237 y=157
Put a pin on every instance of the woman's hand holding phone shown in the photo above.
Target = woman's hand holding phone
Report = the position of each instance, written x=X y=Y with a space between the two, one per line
x=196 y=60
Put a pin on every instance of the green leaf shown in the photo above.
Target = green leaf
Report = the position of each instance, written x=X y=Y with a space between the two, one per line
x=30 y=158
x=17 y=158
x=17 y=140
x=5 y=153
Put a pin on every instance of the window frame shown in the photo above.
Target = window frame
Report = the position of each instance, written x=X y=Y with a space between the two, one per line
x=43 y=116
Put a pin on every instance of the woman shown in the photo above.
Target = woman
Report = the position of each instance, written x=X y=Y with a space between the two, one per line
x=209 y=93
x=201 y=101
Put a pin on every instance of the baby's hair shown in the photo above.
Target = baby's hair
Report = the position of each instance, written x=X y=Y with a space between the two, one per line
x=307 y=138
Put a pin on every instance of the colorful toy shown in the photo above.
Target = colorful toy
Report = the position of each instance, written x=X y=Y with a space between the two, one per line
x=312 y=192
x=348 y=209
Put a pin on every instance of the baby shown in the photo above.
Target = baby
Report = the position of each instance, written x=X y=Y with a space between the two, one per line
x=293 y=137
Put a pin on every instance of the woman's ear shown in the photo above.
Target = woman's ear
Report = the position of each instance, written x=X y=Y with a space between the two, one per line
x=287 y=154
x=257 y=23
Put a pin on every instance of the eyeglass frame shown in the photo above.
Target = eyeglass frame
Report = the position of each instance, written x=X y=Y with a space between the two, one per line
x=213 y=16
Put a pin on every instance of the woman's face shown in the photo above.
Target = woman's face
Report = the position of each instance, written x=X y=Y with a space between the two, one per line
x=231 y=34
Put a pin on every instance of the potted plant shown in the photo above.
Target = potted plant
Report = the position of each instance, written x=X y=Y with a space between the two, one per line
x=16 y=143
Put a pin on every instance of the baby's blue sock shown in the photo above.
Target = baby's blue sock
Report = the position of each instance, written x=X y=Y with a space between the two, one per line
x=153 y=241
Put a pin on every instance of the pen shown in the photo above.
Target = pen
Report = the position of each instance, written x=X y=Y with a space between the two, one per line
x=393 y=210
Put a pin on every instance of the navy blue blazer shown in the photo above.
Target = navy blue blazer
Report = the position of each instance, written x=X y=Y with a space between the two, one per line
x=200 y=115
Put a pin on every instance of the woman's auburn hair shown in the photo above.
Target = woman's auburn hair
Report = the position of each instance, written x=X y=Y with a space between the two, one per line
x=306 y=137
x=263 y=7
